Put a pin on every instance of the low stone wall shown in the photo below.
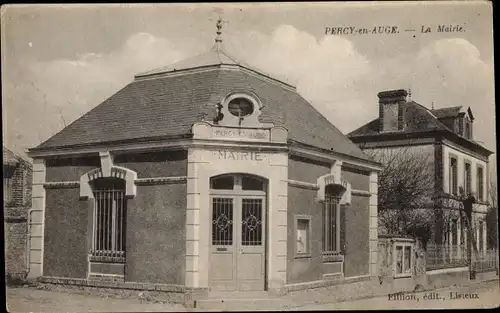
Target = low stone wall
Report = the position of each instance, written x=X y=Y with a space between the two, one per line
x=419 y=278
x=447 y=277
x=159 y=293
x=15 y=234
x=345 y=290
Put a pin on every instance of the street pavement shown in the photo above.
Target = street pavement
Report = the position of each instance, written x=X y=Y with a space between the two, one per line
x=475 y=295
x=23 y=300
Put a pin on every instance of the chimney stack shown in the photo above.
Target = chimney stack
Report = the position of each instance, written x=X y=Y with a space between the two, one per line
x=391 y=109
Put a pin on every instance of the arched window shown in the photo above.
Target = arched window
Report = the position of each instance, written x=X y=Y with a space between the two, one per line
x=331 y=220
x=110 y=214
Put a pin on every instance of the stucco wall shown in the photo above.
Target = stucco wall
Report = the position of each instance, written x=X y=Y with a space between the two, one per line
x=156 y=234
x=65 y=246
x=155 y=164
x=462 y=157
x=358 y=179
x=69 y=169
x=306 y=170
x=356 y=260
x=354 y=233
x=301 y=201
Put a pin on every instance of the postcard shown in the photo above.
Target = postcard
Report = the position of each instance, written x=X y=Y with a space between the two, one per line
x=249 y=156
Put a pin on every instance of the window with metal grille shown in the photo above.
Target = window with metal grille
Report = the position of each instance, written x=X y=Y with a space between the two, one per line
x=468 y=179
x=331 y=221
x=453 y=176
x=110 y=213
x=480 y=184
x=222 y=221
x=251 y=222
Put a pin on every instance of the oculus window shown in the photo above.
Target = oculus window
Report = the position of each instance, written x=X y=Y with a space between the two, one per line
x=240 y=107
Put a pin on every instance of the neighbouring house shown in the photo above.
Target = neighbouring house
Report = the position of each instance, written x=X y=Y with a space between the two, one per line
x=17 y=177
x=204 y=174
x=458 y=162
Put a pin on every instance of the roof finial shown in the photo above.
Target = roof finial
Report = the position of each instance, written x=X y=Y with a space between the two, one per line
x=219 y=24
x=409 y=94
x=433 y=105
x=218 y=38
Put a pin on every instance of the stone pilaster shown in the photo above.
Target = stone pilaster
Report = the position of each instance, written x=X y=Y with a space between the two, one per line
x=278 y=199
x=193 y=217
x=373 y=222
x=36 y=221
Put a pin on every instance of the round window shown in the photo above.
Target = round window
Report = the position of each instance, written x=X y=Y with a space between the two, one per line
x=240 y=107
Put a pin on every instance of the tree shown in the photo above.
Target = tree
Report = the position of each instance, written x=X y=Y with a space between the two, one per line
x=492 y=217
x=405 y=190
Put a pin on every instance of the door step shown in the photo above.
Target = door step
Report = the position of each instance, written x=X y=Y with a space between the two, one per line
x=240 y=304
x=240 y=301
x=239 y=295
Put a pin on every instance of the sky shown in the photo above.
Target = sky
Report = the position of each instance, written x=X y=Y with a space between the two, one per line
x=60 y=61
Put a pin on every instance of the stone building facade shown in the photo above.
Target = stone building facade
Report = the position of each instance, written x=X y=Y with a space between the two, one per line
x=458 y=162
x=206 y=174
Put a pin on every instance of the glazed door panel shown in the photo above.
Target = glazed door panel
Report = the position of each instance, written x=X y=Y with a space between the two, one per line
x=237 y=258
x=251 y=256
x=223 y=247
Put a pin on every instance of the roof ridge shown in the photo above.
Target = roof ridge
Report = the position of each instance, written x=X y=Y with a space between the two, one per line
x=440 y=124
x=14 y=154
x=165 y=68
x=447 y=108
x=229 y=56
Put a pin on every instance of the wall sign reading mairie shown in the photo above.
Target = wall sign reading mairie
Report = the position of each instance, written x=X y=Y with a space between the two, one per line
x=238 y=155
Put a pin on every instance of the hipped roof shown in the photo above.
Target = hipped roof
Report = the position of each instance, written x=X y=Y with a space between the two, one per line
x=166 y=102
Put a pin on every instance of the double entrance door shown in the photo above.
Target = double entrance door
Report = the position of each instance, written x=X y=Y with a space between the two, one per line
x=237 y=251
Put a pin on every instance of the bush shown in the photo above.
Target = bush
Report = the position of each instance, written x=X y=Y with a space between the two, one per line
x=15 y=280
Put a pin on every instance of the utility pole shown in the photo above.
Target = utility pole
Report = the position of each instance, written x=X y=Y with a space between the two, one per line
x=467 y=206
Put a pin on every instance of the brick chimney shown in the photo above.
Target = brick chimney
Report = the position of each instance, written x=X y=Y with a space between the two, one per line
x=391 y=109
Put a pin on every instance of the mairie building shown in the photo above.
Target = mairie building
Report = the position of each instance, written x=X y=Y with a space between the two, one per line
x=204 y=174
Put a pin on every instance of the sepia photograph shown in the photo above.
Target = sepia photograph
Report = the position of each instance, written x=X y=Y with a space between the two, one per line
x=249 y=156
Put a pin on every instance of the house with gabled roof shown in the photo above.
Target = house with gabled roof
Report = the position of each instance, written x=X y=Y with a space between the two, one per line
x=16 y=179
x=206 y=174
x=458 y=161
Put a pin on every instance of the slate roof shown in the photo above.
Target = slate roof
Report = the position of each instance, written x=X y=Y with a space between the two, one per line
x=447 y=112
x=418 y=119
x=10 y=158
x=168 y=106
